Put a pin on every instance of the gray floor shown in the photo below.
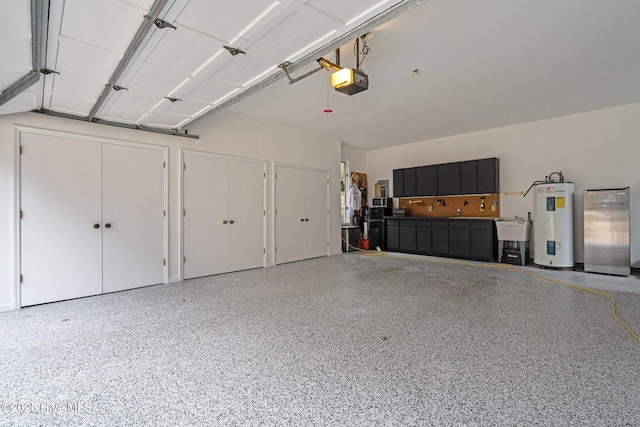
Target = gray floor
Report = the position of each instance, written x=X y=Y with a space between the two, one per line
x=346 y=340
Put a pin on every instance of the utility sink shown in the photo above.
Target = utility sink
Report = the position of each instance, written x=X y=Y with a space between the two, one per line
x=513 y=230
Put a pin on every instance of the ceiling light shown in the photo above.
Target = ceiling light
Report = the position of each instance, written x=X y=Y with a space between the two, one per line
x=342 y=78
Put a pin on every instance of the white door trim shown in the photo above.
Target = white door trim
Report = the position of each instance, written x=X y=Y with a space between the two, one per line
x=18 y=131
x=184 y=151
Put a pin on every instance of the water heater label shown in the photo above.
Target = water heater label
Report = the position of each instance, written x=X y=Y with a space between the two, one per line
x=551 y=204
x=551 y=247
x=561 y=202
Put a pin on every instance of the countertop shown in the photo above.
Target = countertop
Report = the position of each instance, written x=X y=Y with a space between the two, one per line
x=472 y=218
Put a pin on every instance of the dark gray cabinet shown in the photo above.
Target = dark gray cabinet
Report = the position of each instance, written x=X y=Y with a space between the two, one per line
x=482 y=241
x=440 y=236
x=408 y=235
x=423 y=236
x=404 y=182
x=398 y=183
x=459 y=238
x=469 y=177
x=488 y=176
x=427 y=180
x=393 y=235
x=448 y=179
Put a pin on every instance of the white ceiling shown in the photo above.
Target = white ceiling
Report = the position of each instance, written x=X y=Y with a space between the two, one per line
x=481 y=64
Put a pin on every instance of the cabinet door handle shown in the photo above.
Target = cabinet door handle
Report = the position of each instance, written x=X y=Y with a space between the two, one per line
x=225 y=221
x=96 y=225
x=107 y=225
x=231 y=222
x=306 y=220
x=301 y=219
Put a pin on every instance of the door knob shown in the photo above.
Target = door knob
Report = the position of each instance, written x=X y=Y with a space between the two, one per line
x=306 y=220
x=301 y=219
x=225 y=221
x=231 y=222
x=96 y=225
x=107 y=225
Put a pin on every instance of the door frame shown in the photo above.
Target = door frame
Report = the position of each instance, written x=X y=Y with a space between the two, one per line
x=273 y=209
x=184 y=151
x=19 y=130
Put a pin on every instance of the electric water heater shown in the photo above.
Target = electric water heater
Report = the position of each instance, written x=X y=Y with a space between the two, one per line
x=553 y=224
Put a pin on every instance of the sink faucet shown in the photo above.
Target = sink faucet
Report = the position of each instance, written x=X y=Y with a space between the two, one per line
x=517 y=218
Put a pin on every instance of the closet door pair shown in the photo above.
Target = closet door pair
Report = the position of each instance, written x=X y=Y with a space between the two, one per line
x=92 y=217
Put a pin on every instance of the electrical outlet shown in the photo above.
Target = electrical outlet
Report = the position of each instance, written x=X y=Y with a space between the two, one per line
x=493 y=208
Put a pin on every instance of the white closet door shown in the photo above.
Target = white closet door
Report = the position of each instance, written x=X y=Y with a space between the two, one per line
x=246 y=201
x=205 y=205
x=315 y=210
x=60 y=199
x=133 y=222
x=289 y=205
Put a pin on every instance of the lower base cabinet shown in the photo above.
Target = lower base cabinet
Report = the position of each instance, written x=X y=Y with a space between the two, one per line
x=474 y=239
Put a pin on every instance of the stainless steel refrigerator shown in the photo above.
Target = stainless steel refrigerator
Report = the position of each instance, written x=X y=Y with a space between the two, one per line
x=606 y=231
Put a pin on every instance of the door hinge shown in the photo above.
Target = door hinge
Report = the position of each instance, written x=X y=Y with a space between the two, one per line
x=164 y=165
x=184 y=166
x=184 y=259
x=264 y=213
x=21 y=278
x=327 y=243
x=21 y=149
x=184 y=212
x=21 y=214
x=276 y=249
x=264 y=250
x=327 y=181
x=164 y=261
x=276 y=211
x=164 y=214
x=265 y=174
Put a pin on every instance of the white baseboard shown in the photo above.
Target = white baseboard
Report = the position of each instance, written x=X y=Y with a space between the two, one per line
x=174 y=279
x=8 y=307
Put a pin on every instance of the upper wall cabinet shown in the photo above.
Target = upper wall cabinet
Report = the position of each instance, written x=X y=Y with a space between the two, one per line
x=448 y=179
x=404 y=182
x=470 y=177
x=427 y=181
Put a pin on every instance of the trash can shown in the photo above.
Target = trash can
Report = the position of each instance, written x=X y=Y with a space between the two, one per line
x=512 y=256
x=350 y=238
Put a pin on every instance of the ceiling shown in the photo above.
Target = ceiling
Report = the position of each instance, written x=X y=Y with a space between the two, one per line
x=443 y=68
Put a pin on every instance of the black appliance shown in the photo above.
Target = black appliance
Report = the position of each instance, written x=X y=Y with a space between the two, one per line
x=377 y=212
x=377 y=227
x=384 y=202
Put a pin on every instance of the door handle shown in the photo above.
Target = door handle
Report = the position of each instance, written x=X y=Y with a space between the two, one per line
x=306 y=220
x=107 y=225
x=96 y=225
x=231 y=222
x=301 y=219
x=225 y=221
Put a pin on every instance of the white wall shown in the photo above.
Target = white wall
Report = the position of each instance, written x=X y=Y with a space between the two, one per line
x=597 y=149
x=225 y=133
x=357 y=159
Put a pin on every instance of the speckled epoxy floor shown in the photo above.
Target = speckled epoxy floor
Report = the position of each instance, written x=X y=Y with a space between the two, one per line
x=345 y=340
